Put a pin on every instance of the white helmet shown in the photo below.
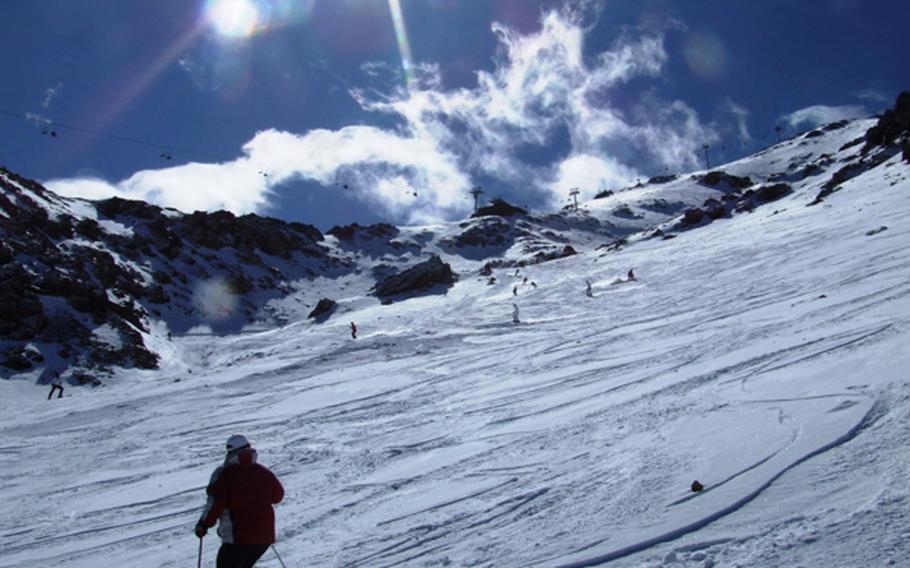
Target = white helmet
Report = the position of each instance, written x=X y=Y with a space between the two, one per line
x=237 y=442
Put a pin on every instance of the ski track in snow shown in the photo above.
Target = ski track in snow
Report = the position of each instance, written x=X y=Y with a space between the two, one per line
x=446 y=435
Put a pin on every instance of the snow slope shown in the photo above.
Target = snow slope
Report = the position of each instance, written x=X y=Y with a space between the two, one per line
x=763 y=355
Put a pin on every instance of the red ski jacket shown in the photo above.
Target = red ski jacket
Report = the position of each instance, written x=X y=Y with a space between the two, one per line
x=240 y=495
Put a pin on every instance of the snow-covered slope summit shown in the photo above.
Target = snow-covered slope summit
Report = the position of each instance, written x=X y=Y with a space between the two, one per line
x=91 y=285
x=761 y=353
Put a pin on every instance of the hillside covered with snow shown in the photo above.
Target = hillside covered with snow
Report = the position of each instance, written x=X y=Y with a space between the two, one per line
x=761 y=350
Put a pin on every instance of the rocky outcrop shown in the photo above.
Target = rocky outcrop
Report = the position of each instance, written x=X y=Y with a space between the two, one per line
x=349 y=233
x=250 y=232
x=662 y=179
x=118 y=264
x=499 y=208
x=430 y=274
x=722 y=180
x=729 y=203
x=544 y=256
x=773 y=192
x=323 y=309
x=488 y=233
x=891 y=126
x=21 y=312
x=116 y=206
x=852 y=170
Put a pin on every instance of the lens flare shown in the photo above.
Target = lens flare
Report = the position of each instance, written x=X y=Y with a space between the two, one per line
x=215 y=299
x=404 y=46
x=234 y=19
x=705 y=55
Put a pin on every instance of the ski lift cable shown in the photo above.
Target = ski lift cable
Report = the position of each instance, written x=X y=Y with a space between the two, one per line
x=167 y=148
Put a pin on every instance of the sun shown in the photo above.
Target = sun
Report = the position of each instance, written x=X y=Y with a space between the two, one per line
x=233 y=18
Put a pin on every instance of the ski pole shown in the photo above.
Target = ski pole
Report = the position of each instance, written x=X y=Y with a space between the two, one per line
x=280 y=561
x=199 y=560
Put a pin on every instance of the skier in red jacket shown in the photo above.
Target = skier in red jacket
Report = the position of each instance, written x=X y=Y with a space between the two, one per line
x=240 y=497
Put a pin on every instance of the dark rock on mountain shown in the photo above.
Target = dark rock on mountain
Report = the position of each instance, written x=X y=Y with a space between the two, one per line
x=722 y=178
x=657 y=205
x=876 y=231
x=852 y=143
x=852 y=170
x=662 y=179
x=21 y=358
x=82 y=377
x=773 y=192
x=422 y=277
x=544 y=256
x=21 y=313
x=693 y=216
x=323 y=309
x=500 y=208
x=714 y=208
x=86 y=289
x=614 y=245
x=127 y=207
x=604 y=193
x=893 y=124
x=222 y=229
x=382 y=231
x=491 y=232
x=625 y=212
x=6 y=254
x=836 y=125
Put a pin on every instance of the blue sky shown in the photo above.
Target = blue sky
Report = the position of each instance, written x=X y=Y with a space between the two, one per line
x=339 y=111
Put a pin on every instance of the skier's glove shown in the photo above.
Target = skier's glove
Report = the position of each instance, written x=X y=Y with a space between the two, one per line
x=200 y=529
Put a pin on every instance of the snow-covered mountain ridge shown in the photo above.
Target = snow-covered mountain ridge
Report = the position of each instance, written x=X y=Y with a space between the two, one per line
x=761 y=353
x=90 y=285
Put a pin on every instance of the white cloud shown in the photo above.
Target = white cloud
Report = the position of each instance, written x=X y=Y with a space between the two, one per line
x=818 y=115
x=236 y=186
x=543 y=90
x=872 y=96
x=589 y=174
x=49 y=94
x=740 y=118
x=86 y=187
x=671 y=132
x=37 y=119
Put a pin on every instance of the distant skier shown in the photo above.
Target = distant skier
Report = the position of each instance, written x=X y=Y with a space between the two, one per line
x=631 y=275
x=533 y=284
x=515 y=290
x=588 y=291
x=240 y=497
x=353 y=331
x=56 y=382
x=515 y=314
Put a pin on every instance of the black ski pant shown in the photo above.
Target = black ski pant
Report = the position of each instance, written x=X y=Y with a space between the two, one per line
x=53 y=388
x=240 y=555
